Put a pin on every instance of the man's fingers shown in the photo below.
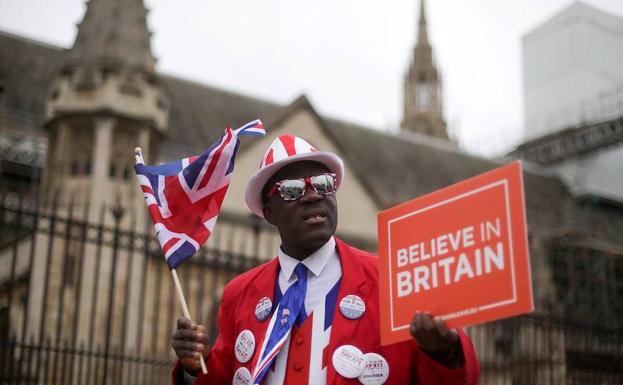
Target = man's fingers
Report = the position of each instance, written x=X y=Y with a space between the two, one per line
x=202 y=334
x=424 y=330
x=432 y=334
x=427 y=324
x=185 y=334
x=428 y=334
x=450 y=335
x=188 y=354
x=185 y=323
x=184 y=346
x=190 y=342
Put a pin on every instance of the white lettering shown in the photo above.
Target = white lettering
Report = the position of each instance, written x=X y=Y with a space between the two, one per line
x=423 y=255
x=445 y=263
x=468 y=236
x=497 y=259
x=455 y=240
x=442 y=244
x=421 y=274
x=413 y=253
x=463 y=267
x=478 y=255
x=492 y=229
x=404 y=283
x=402 y=257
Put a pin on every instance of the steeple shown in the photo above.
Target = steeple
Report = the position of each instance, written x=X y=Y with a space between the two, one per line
x=113 y=33
x=110 y=67
x=422 y=95
x=422 y=34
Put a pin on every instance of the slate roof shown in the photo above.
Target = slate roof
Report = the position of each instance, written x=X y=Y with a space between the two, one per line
x=26 y=68
x=198 y=112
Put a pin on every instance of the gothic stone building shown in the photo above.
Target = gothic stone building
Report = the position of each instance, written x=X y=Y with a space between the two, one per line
x=70 y=119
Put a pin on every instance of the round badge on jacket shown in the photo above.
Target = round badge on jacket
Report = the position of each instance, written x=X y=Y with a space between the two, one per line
x=245 y=346
x=352 y=306
x=375 y=369
x=262 y=309
x=242 y=377
x=348 y=361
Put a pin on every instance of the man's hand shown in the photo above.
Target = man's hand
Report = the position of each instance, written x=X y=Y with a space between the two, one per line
x=190 y=341
x=435 y=339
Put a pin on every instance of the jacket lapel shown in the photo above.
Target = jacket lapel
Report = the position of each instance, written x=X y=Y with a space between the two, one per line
x=262 y=285
x=353 y=282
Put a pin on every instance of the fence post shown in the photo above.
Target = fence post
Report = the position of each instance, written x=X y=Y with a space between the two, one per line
x=117 y=213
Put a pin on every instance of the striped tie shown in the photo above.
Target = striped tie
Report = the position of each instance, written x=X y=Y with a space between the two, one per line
x=291 y=309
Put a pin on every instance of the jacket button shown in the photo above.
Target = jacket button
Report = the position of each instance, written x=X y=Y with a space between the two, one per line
x=298 y=366
x=299 y=340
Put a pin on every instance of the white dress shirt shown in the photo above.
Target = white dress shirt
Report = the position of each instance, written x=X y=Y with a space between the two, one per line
x=324 y=272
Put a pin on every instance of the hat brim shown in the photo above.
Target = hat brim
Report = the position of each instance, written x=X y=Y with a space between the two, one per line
x=253 y=194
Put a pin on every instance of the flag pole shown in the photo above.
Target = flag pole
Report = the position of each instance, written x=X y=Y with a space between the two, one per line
x=138 y=153
x=180 y=293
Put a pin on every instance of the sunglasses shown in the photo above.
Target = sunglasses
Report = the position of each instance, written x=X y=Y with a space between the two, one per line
x=293 y=189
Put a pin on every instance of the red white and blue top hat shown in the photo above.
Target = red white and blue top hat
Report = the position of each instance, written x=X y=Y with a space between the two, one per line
x=284 y=150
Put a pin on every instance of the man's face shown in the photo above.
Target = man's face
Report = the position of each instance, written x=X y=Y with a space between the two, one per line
x=304 y=224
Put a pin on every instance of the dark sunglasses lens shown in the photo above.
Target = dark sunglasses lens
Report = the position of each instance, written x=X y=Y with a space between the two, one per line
x=292 y=189
x=324 y=184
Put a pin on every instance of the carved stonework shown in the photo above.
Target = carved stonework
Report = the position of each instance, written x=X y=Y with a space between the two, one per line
x=105 y=101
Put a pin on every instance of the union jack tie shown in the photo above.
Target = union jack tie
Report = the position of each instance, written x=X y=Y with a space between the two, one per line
x=291 y=309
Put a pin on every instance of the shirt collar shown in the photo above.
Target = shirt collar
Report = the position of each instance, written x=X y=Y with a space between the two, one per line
x=316 y=262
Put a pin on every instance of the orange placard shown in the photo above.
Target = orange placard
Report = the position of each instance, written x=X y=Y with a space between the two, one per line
x=460 y=253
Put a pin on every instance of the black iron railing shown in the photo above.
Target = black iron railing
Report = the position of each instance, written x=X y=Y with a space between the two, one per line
x=92 y=302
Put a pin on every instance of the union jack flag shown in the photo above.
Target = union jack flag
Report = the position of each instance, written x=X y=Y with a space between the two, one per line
x=184 y=196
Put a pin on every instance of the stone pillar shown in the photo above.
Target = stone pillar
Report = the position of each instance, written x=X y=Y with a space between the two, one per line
x=101 y=162
x=138 y=260
x=56 y=167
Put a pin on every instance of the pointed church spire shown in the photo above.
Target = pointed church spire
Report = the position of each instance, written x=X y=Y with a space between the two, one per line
x=113 y=33
x=422 y=98
x=422 y=35
x=110 y=67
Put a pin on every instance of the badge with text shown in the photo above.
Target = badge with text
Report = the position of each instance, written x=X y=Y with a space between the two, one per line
x=375 y=370
x=348 y=361
x=460 y=253
x=242 y=377
x=245 y=346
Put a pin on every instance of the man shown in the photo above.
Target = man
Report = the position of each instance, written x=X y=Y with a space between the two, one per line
x=311 y=315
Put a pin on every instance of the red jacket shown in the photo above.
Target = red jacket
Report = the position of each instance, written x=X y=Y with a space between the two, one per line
x=407 y=364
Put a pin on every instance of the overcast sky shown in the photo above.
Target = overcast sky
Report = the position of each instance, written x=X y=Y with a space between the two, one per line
x=348 y=56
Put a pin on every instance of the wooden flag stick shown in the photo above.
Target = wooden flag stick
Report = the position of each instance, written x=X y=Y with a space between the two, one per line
x=180 y=293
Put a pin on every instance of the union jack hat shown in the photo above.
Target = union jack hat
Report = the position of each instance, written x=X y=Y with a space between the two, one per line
x=284 y=150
